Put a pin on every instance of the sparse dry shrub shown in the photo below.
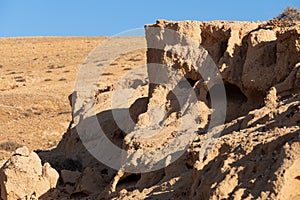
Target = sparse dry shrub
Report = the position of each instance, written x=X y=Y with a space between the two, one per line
x=286 y=19
x=289 y=14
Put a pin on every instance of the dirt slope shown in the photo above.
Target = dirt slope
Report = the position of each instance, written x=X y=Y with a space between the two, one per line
x=36 y=77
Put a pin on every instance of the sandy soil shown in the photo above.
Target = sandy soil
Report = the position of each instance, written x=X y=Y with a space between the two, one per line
x=36 y=77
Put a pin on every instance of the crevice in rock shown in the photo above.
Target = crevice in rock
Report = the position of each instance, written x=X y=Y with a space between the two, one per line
x=192 y=82
x=130 y=180
x=223 y=48
x=234 y=94
x=235 y=99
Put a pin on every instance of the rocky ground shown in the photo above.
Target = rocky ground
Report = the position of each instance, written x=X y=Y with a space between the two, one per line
x=255 y=157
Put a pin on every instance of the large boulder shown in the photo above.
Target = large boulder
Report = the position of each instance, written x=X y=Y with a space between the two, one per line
x=24 y=177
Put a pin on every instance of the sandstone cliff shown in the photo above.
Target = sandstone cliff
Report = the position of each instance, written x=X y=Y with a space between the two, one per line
x=256 y=154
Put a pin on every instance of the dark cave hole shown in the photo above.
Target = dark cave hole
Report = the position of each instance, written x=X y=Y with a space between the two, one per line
x=132 y=178
x=223 y=48
x=104 y=171
x=235 y=99
x=186 y=83
x=191 y=81
x=233 y=94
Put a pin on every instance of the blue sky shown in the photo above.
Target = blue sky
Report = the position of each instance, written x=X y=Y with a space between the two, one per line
x=96 y=17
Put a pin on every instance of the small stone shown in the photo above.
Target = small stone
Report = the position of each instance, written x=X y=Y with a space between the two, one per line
x=252 y=181
x=89 y=182
x=123 y=192
x=51 y=174
x=69 y=189
x=24 y=177
x=70 y=176
x=22 y=151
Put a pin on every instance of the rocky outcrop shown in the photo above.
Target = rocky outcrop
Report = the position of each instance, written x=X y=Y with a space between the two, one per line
x=251 y=57
x=24 y=177
x=259 y=65
x=253 y=157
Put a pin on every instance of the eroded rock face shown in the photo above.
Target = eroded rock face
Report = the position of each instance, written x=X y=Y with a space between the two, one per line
x=24 y=177
x=255 y=157
x=250 y=56
x=259 y=65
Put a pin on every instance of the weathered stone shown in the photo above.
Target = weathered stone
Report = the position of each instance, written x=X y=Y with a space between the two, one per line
x=51 y=174
x=24 y=177
x=70 y=176
x=23 y=151
x=90 y=182
x=251 y=58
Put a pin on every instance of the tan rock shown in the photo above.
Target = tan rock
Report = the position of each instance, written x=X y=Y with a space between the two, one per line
x=271 y=98
x=51 y=174
x=23 y=151
x=23 y=176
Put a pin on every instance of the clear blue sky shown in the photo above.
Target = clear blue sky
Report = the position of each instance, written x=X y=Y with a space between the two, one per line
x=96 y=17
